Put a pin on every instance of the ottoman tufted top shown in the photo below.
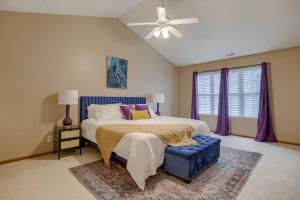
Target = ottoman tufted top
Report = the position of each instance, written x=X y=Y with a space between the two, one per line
x=203 y=142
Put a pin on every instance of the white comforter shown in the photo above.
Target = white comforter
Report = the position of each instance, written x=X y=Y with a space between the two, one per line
x=144 y=152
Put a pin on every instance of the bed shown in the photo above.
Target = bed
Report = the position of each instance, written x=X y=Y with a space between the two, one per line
x=144 y=153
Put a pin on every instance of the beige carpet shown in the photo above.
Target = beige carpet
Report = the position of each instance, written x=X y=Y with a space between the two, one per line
x=276 y=177
x=222 y=181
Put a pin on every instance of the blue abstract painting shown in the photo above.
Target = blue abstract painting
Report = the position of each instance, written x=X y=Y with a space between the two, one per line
x=116 y=72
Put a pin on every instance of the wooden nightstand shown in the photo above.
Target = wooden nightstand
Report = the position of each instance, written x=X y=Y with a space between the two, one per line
x=66 y=139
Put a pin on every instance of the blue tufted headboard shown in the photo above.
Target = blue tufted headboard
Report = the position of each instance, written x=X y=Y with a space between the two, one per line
x=85 y=101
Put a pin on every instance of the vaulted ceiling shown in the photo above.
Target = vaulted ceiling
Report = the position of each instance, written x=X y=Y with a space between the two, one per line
x=241 y=27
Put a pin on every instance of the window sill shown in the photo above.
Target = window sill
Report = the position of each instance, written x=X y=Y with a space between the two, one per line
x=209 y=115
x=231 y=117
x=241 y=117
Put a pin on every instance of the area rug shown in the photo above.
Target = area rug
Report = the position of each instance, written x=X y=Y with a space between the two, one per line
x=221 y=181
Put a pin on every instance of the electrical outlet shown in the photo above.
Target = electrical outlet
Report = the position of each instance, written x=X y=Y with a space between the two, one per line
x=49 y=138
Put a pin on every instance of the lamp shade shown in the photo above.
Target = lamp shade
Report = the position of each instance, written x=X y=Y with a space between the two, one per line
x=68 y=97
x=158 y=98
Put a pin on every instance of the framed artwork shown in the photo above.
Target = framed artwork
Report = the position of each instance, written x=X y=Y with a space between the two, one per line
x=116 y=72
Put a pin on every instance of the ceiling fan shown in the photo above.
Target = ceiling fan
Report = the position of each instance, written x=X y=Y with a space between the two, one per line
x=165 y=25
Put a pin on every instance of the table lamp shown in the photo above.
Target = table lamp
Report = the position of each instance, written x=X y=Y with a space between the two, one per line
x=158 y=98
x=68 y=97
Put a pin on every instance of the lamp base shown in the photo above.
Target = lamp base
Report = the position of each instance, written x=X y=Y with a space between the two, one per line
x=67 y=122
x=157 y=109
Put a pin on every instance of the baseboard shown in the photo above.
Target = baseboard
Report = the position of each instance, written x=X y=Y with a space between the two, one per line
x=25 y=157
x=291 y=143
x=283 y=142
x=246 y=136
x=279 y=141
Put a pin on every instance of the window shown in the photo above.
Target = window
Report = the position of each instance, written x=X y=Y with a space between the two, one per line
x=243 y=91
x=208 y=92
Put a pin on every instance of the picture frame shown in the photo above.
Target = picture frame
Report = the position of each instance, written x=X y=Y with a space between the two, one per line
x=116 y=72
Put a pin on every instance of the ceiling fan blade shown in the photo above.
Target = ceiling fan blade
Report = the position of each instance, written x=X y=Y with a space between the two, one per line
x=184 y=21
x=174 y=32
x=150 y=35
x=161 y=13
x=142 y=24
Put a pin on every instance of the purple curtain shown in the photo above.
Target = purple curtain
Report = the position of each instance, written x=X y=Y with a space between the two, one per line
x=195 y=114
x=265 y=131
x=223 y=116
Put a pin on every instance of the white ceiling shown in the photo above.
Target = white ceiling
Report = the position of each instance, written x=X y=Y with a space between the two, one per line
x=242 y=27
x=98 y=8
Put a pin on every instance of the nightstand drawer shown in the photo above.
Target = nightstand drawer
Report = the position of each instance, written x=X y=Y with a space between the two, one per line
x=69 y=144
x=70 y=134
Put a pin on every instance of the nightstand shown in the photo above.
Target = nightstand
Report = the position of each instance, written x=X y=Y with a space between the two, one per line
x=66 y=139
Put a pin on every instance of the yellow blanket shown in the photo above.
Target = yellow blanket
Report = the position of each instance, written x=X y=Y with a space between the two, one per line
x=108 y=136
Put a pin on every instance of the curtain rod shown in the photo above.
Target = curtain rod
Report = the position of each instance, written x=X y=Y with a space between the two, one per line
x=232 y=67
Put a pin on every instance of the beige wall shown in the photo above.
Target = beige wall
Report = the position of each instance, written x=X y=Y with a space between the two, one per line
x=43 y=54
x=284 y=77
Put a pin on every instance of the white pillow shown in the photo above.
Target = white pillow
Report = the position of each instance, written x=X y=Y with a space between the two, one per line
x=104 y=112
x=92 y=111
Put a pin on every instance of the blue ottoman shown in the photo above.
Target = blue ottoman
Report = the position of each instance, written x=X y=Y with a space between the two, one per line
x=187 y=161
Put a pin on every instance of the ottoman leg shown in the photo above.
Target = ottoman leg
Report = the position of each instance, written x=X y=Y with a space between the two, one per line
x=187 y=181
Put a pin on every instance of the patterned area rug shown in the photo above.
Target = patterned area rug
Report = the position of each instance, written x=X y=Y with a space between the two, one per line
x=221 y=181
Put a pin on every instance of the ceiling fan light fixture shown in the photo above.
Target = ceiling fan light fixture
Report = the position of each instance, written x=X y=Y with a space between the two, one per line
x=165 y=33
x=164 y=25
x=157 y=33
